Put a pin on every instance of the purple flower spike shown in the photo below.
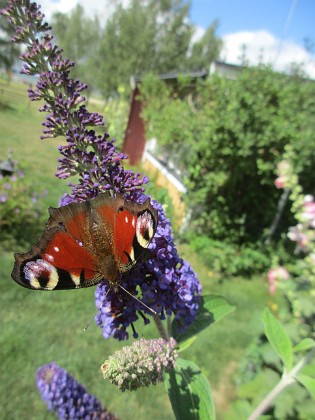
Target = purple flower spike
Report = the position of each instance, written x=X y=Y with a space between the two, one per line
x=67 y=397
x=165 y=283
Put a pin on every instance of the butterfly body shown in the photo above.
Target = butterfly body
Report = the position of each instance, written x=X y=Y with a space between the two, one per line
x=87 y=242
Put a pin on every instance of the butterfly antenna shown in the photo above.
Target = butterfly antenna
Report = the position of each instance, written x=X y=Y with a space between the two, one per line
x=89 y=321
x=125 y=290
x=94 y=315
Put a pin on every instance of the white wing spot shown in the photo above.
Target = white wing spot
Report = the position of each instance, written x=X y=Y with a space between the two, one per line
x=76 y=279
x=126 y=219
x=49 y=258
x=56 y=249
x=133 y=222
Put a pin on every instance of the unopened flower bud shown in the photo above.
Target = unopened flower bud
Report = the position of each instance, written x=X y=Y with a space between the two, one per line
x=141 y=364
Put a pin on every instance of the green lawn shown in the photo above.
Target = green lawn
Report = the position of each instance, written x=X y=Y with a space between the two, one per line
x=40 y=327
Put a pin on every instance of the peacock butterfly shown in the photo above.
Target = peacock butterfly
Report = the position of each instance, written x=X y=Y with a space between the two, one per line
x=87 y=242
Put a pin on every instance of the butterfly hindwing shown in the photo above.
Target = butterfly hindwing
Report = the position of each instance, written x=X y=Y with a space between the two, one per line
x=57 y=261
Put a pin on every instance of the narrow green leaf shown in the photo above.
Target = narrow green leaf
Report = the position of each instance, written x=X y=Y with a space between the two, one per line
x=278 y=338
x=308 y=383
x=212 y=308
x=305 y=344
x=185 y=344
x=189 y=392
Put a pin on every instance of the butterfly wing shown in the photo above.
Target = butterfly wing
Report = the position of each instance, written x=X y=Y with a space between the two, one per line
x=86 y=242
x=134 y=229
x=57 y=261
x=75 y=219
x=128 y=226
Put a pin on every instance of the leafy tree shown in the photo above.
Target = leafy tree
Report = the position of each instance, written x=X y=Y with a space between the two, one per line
x=150 y=36
x=206 y=50
x=227 y=139
x=8 y=51
x=79 y=36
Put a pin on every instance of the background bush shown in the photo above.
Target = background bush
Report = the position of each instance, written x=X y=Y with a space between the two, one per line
x=22 y=212
x=227 y=138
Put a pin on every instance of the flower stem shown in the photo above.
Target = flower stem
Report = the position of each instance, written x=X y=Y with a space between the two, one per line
x=169 y=326
x=286 y=380
x=160 y=327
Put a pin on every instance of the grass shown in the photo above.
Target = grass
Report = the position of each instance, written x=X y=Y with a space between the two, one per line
x=40 y=327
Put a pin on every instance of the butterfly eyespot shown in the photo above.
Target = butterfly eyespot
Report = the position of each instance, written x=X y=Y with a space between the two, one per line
x=144 y=230
x=41 y=274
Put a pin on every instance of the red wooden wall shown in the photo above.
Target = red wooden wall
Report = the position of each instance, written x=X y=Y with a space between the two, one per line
x=134 y=141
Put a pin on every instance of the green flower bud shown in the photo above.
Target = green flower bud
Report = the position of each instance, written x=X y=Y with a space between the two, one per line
x=141 y=364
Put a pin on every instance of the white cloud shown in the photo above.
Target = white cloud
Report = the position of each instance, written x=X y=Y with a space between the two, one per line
x=49 y=7
x=101 y=8
x=198 y=34
x=263 y=46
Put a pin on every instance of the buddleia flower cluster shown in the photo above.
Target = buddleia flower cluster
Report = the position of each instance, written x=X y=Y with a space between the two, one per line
x=141 y=364
x=67 y=397
x=165 y=283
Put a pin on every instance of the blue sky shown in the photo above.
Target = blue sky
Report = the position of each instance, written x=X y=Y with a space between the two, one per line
x=272 y=29
x=293 y=19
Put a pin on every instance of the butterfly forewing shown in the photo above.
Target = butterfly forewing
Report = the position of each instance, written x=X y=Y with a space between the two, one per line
x=74 y=218
x=125 y=231
x=135 y=228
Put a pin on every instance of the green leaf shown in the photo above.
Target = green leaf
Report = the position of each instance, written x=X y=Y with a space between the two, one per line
x=287 y=403
x=308 y=383
x=309 y=370
x=189 y=392
x=305 y=344
x=185 y=344
x=278 y=338
x=256 y=389
x=212 y=308
x=239 y=410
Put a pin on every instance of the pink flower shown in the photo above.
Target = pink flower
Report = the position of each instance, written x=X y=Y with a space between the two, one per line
x=309 y=210
x=272 y=288
x=278 y=273
x=274 y=275
x=280 y=182
x=283 y=170
x=297 y=235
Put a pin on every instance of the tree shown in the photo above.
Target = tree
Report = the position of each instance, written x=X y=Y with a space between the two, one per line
x=8 y=51
x=206 y=50
x=150 y=36
x=78 y=36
